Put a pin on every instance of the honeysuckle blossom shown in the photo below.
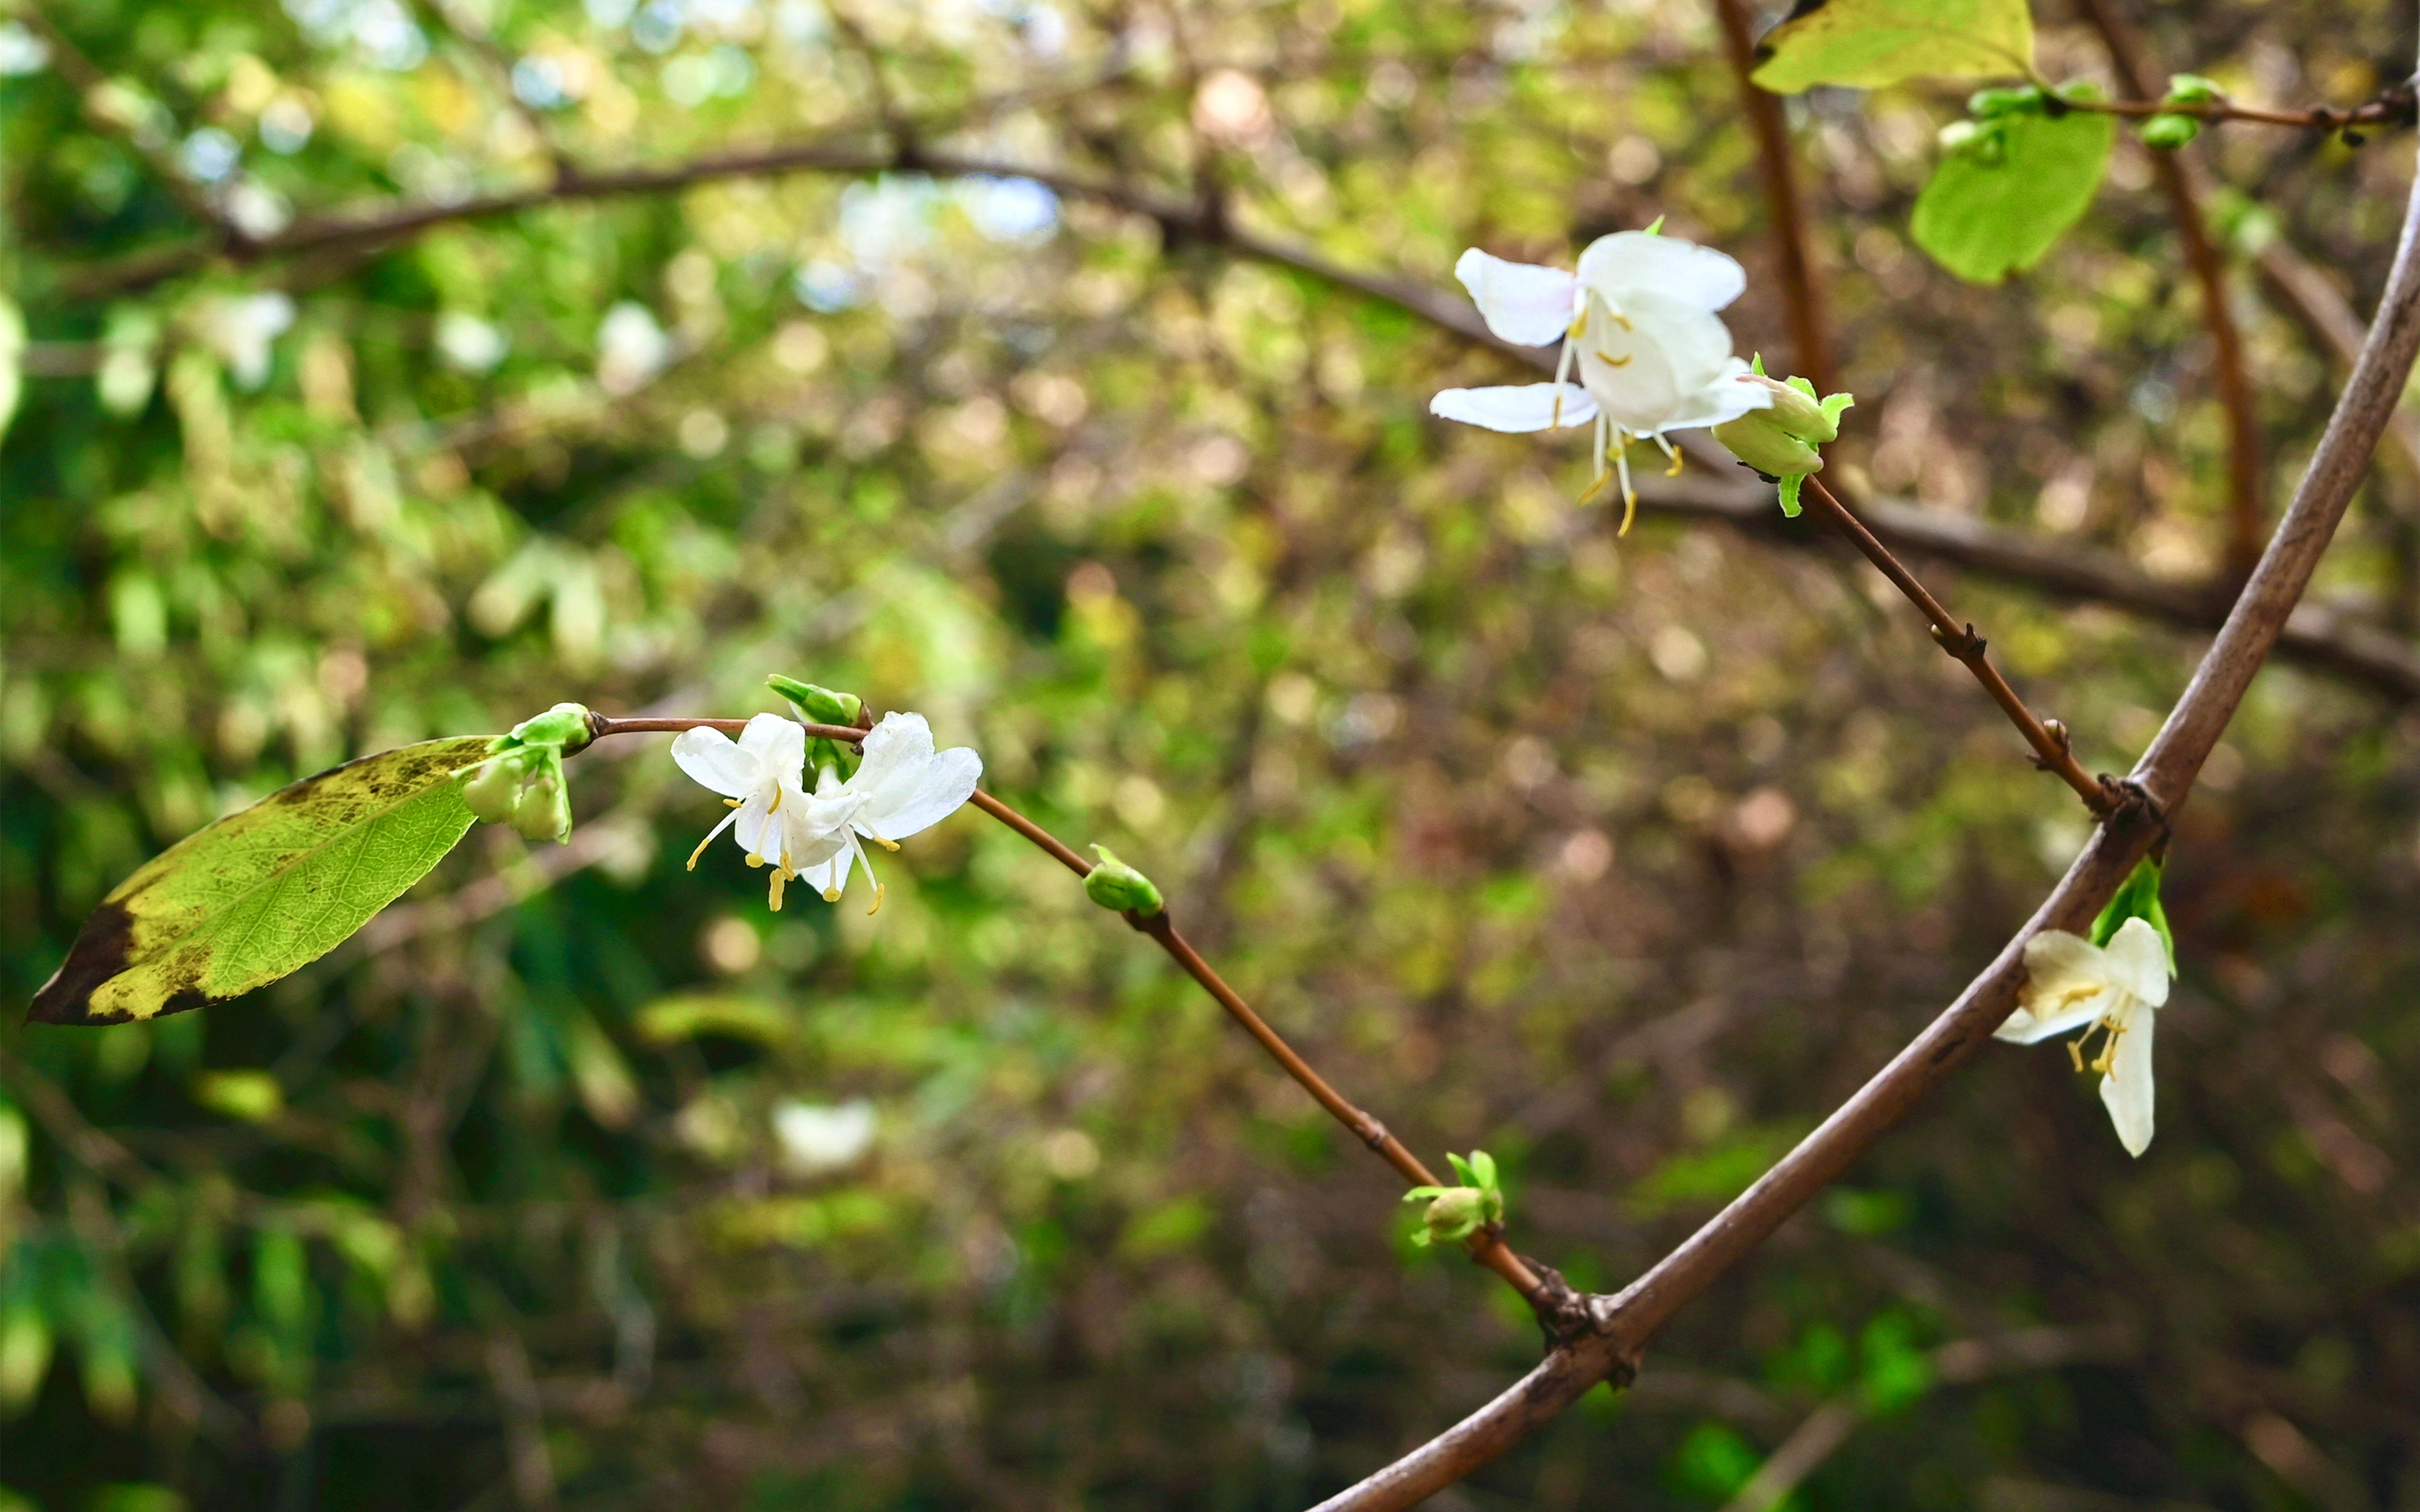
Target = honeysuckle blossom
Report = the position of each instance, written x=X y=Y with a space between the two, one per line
x=1639 y=329
x=2114 y=988
x=759 y=775
x=904 y=785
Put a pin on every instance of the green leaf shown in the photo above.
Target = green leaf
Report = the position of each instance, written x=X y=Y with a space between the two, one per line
x=1868 y=43
x=1987 y=214
x=241 y=902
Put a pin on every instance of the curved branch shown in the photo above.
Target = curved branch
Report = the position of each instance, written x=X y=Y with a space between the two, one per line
x=1802 y=291
x=2165 y=776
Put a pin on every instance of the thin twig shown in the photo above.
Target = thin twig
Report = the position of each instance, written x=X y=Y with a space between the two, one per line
x=1802 y=291
x=2179 y=180
x=2390 y=109
x=1487 y=1248
x=2165 y=774
x=2051 y=749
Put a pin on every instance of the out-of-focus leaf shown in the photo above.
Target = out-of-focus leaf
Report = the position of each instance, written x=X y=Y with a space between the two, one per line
x=1992 y=210
x=1868 y=43
x=248 y=898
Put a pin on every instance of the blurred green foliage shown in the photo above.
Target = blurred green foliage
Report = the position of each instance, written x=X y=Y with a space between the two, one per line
x=579 y=1178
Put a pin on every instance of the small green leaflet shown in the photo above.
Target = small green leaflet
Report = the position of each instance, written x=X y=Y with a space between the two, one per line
x=241 y=902
x=1868 y=43
x=1986 y=215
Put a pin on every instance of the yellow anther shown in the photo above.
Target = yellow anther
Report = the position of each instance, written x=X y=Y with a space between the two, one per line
x=878 y=901
x=1616 y=362
x=2075 y=1052
x=832 y=895
x=775 y=806
x=886 y=844
x=754 y=859
x=1624 y=321
x=773 y=888
x=700 y=851
x=1629 y=512
x=1674 y=471
x=733 y=803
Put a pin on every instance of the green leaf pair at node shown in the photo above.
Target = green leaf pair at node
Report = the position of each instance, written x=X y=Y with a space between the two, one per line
x=1456 y=1213
x=521 y=783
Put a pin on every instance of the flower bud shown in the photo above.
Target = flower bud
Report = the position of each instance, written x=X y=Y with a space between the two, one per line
x=1114 y=884
x=821 y=705
x=543 y=809
x=1453 y=1214
x=2191 y=89
x=491 y=788
x=1989 y=104
x=565 y=727
x=1779 y=441
x=2165 y=133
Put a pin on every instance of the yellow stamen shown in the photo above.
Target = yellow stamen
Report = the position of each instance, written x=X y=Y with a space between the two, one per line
x=878 y=901
x=2075 y=1052
x=775 y=806
x=773 y=888
x=701 y=850
x=1674 y=471
x=733 y=803
x=754 y=859
x=1624 y=321
x=1629 y=513
x=832 y=895
x=1615 y=361
x=886 y=844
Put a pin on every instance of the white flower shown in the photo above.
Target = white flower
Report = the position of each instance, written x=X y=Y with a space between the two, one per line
x=241 y=329
x=632 y=348
x=2073 y=983
x=469 y=344
x=816 y=1138
x=758 y=776
x=903 y=786
x=1638 y=321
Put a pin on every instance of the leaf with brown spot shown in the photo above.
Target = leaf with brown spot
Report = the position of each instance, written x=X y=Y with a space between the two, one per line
x=243 y=901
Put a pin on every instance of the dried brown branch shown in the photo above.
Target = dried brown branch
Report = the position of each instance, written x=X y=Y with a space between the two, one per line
x=2180 y=180
x=1802 y=290
x=2165 y=777
x=1957 y=638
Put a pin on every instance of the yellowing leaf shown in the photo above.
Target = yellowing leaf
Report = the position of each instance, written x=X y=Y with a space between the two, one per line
x=243 y=902
x=1868 y=43
x=1985 y=216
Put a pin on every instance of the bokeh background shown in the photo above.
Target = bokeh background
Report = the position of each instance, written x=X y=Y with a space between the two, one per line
x=580 y=1180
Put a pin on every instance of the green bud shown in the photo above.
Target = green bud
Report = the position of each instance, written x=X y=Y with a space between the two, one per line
x=1959 y=135
x=2192 y=89
x=1454 y=1213
x=564 y=727
x=1990 y=104
x=543 y=812
x=1114 y=884
x=1781 y=441
x=821 y=705
x=491 y=788
x=2165 y=133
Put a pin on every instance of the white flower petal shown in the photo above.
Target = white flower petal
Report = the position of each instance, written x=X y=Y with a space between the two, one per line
x=1724 y=399
x=1521 y=302
x=713 y=762
x=779 y=743
x=830 y=875
x=758 y=829
x=1519 y=408
x=946 y=782
x=895 y=753
x=1630 y=262
x=2126 y=1092
x=2066 y=988
x=2137 y=960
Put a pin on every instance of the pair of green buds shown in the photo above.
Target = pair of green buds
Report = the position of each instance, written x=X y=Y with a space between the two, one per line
x=521 y=782
x=1456 y=1213
x=1781 y=441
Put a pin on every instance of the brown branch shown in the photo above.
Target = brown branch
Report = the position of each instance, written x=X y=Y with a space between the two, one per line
x=1488 y=1248
x=2051 y=752
x=1802 y=292
x=2166 y=775
x=2180 y=180
x=2315 y=636
x=2390 y=108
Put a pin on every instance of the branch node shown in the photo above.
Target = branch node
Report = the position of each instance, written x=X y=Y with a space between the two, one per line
x=2057 y=729
x=2125 y=801
x=1963 y=645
